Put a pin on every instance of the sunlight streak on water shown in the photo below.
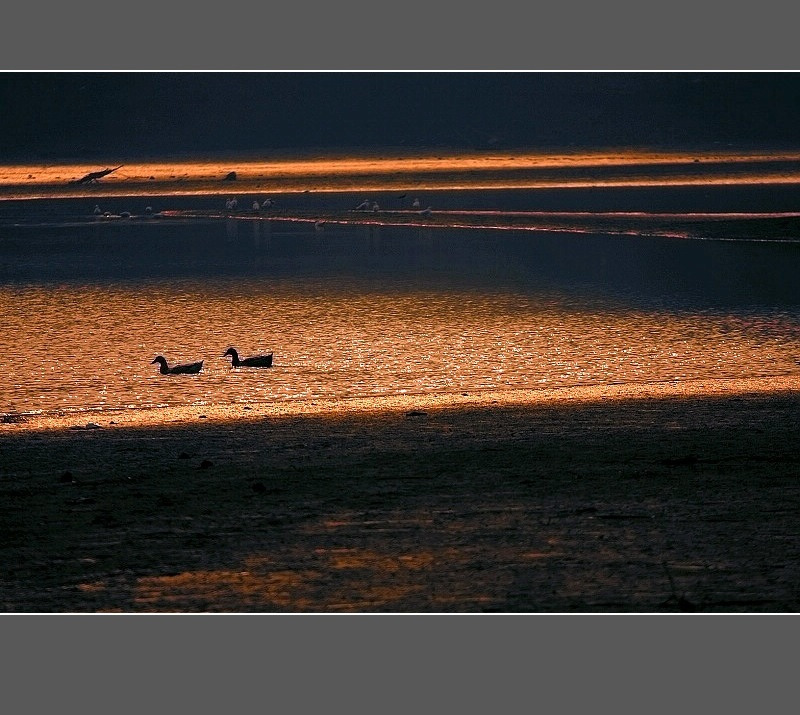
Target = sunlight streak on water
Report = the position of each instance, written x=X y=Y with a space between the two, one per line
x=79 y=347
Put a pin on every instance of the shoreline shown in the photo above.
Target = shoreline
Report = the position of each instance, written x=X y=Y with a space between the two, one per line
x=12 y=422
x=780 y=227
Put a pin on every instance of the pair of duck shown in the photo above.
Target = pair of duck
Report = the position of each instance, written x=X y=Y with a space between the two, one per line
x=192 y=368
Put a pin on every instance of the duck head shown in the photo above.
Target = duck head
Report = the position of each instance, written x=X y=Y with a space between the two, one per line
x=162 y=362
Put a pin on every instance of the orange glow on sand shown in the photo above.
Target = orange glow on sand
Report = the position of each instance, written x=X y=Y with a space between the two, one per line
x=477 y=171
x=367 y=580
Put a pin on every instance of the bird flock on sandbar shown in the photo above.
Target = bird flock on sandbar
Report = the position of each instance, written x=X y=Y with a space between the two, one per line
x=192 y=368
x=266 y=207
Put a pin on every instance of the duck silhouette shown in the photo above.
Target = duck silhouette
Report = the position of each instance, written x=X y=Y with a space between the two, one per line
x=191 y=368
x=253 y=361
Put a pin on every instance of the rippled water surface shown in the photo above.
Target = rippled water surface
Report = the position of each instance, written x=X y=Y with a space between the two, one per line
x=360 y=310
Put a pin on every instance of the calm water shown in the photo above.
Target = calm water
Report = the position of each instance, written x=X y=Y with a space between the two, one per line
x=356 y=310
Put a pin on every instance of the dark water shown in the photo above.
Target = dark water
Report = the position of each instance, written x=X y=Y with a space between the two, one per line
x=365 y=310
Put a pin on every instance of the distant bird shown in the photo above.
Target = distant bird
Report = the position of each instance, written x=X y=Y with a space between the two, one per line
x=256 y=206
x=253 y=361
x=191 y=368
x=415 y=204
x=363 y=206
x=97 y=210
x=319 y=225
x=375 y=207
x=426 y=212
x=148 y=210
x=94 y=176
x=267 y=203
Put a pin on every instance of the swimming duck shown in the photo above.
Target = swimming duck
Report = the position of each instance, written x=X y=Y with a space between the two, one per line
x=186 y=369
x=253 y=361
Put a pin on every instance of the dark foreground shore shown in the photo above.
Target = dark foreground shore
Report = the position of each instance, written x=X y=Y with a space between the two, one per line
x=654 y=504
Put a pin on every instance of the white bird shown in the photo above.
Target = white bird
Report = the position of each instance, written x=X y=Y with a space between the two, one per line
x=416 y=204
x=426 y=212
x=363 y=206
x=97 y=210
x=375 y=206
x=256 y=207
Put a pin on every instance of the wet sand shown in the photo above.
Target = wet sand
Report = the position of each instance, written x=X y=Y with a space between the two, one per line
x=670 y=497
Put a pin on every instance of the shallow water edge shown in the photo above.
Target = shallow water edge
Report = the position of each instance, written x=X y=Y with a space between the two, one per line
x=409 y=404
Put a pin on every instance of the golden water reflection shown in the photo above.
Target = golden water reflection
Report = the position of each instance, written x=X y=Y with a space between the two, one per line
x=90 y=347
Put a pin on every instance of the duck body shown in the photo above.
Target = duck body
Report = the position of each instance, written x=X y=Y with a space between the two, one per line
x=191 y=368
x=252 y=361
